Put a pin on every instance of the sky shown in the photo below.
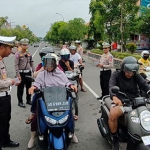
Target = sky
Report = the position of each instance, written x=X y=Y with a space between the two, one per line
x=38 y=15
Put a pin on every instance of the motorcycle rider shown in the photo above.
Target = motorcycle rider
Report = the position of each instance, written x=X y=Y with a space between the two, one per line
x=51 y=76
x=79 y=48
x=129 y=82
x=36 y=72
x=76 y=58
x=40 y=65
x=144 y=63
x=64 y=62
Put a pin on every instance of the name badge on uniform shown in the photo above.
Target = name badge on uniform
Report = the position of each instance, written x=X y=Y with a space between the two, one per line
x=3 y=73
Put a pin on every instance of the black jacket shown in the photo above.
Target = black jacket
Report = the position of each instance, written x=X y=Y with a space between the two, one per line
x=128 y=86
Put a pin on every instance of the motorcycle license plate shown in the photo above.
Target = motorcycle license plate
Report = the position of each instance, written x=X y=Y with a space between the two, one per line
x=58 y=106
x=146 y=140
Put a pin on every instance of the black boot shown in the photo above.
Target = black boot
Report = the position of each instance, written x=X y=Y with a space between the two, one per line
x=115 y=142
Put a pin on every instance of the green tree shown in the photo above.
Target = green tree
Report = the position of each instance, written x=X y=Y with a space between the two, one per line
x=143 y=23
x=3 y=20
x=63 y=31
x=106 y=15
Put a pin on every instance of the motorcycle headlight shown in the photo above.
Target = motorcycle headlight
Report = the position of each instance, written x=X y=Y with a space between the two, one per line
x=50 y=120
x=64 y=119
x=145 y=119
x=135 y=120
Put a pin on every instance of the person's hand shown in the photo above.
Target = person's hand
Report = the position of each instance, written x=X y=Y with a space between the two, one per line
x=41 y=69
x=67 y=64
x=117 y=101
x=19 y=77
x=12 y=81
x=101 y=65
x=31 y=90
x=73 y=87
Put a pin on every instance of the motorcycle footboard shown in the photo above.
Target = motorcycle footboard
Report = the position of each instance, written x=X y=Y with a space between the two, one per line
x=57 y=142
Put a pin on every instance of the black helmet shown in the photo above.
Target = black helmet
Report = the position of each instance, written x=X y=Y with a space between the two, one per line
x=130 y=64
x=45 y=51
x=42 y=53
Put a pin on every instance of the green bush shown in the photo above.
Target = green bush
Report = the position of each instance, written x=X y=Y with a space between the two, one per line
x=118 y=55
x=131 y=47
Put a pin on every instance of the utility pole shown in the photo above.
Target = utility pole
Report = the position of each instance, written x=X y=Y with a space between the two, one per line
x=121 y=26
x=61 y=16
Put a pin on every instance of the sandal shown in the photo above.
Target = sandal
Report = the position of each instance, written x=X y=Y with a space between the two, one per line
x=29 y=119
x=75 y=117
x=83 y=90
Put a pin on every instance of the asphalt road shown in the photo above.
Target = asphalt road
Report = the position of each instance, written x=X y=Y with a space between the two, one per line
x=86 y=127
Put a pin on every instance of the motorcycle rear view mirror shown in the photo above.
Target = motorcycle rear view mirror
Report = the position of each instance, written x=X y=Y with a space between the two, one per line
x=73 y=94
x=30 y=78
x=115 y=89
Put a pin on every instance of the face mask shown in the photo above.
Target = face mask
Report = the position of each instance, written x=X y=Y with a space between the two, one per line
x=145 y=57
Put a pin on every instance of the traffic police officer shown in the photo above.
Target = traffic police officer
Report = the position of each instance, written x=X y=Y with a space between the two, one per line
x=6 y=44
x=105 y=64
x=24 y=66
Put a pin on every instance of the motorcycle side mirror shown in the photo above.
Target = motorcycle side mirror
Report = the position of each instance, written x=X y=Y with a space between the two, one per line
x=30 y=78
x=139 y=63
x=73 y=94
x=115 y=89
x=81 y=68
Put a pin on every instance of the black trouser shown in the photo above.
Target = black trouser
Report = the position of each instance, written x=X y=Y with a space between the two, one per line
x=20 y=89
x=5 y=116
x=104 y=81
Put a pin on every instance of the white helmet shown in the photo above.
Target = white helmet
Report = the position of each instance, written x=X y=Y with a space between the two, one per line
x=77 y=42
x=145 y=53
x=65 y=54
x=54 y=56
x=64 y=51
x=72 y=47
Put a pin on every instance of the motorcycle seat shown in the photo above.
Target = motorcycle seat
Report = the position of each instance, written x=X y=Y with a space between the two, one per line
x=108 y=102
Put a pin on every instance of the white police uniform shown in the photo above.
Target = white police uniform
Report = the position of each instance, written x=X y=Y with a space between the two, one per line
x=105 y=72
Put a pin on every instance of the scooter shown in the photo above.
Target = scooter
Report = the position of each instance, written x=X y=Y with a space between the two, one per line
x=147 y=74
x=73 y=77
x=133 y=127
x=54 y=117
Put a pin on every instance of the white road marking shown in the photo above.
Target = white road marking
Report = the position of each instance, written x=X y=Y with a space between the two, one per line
x=36 y=50
x=90 y=90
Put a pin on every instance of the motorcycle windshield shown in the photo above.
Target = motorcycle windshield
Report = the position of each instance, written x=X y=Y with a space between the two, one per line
x=56 y=98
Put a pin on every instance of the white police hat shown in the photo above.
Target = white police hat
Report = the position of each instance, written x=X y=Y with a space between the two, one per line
x=8 y=40
x=24 y=41
x=105 y=45
x=77 y=42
